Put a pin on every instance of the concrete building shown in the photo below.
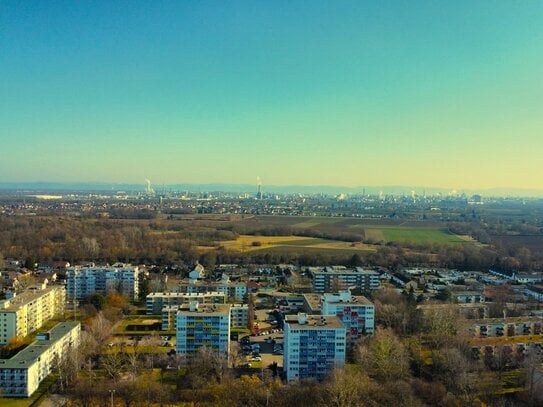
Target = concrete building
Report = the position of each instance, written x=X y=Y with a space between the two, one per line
x=21 y=375
x=332 y=279
x=24 y=313
x=201 y=325
x=82 y=282
x=156 y=302
x=534 y=291
x=468 y=297
x=356 y=312
x=239 y=315
x=499 y=327
x=234 y=291
x=313 y=346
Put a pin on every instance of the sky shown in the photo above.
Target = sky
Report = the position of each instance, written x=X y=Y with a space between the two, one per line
x=354 y=93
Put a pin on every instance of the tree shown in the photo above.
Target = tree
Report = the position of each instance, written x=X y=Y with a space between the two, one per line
x=113 y=363
x=384 y=356
x=345 y=389
x=100 y=328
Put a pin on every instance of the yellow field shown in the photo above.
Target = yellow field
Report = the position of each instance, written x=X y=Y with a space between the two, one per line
x=248 y=243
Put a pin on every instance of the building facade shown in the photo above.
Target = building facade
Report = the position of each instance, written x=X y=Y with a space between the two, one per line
x=239 y=315
x=332 y=279
x=83 y=282
x=313 y=346
x=155 y=302
x=200 y=325
x=356 y=312
x=22 y=314
x=234 y=291
x=21 y=375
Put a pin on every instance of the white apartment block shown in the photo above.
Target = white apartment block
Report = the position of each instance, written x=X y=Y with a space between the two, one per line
x=22 y=314
x=21 y=375
x=85 y=281
x=156 y=302
x=356 y=312
x=201 y=325
x=331 y=279
x=313 y=346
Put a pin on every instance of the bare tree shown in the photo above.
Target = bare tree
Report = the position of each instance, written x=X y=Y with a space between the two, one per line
x=384 y=356
x=113 y=363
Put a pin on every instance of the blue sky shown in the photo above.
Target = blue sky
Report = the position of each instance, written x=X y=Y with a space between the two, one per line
x=298 y=92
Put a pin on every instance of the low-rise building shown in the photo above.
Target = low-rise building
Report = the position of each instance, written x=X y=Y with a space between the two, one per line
x=24 y=313
x=500 y=327
x=468 y=297
x=534 y=291
x=21 y=375
x=313 y=347
x=332 y=279
x=201 y=325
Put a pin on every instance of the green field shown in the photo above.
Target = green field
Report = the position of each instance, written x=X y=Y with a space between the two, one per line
x=420 y=235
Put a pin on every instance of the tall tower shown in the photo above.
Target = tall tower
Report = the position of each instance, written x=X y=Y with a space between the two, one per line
x=258 y=188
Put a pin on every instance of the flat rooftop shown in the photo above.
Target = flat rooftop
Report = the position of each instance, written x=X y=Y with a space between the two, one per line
x=315 y=322
x=184 y=294
x=24 y=298
x=355 y=271
x=205 y=309
x=28 y=355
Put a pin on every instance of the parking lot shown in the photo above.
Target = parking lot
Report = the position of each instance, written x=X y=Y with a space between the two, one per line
x=267 y=344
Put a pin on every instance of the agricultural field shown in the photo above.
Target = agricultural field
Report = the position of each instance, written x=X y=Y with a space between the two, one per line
x=416 y=235
x=248 y=243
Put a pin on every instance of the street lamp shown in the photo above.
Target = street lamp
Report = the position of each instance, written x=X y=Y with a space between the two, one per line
x=111 y=393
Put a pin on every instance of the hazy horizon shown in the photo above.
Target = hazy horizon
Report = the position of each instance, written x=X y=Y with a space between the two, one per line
x=442 y=95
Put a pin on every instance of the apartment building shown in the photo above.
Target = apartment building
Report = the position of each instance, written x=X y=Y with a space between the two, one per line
x=239 y=315
x=234 y=291
x=21 y=375
x=85 y=281
x=155 y=302
x=332 y=279
x=499 y=327
x=313 y=346
x=24 y=313
x=201 y=325
x=355 y=311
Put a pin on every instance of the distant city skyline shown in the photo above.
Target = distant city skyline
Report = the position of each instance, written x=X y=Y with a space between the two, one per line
x=349 y=93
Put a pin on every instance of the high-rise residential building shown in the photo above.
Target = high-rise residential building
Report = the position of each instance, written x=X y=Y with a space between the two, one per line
x=21 y=375
x=239 y=315
x=200 y=325
x=155 y=302
x=85 y=281
x=333 y=279
x=313 y=346
x=24 y=313
x=356 y=312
